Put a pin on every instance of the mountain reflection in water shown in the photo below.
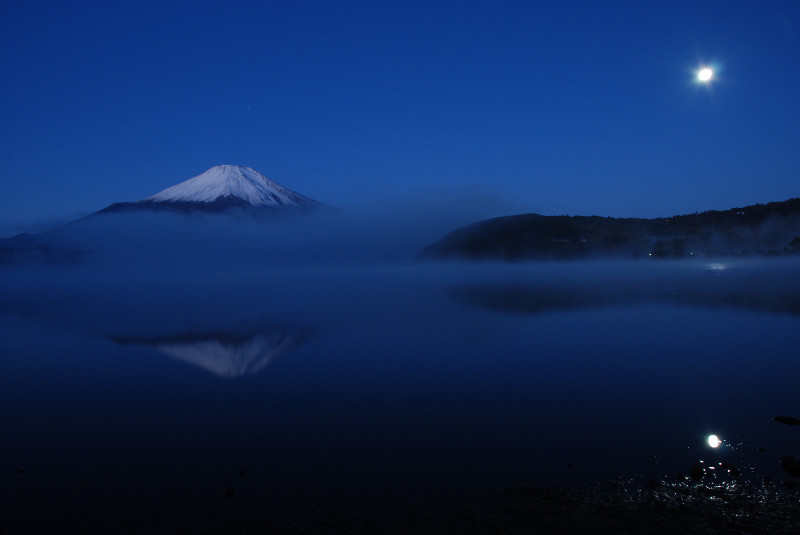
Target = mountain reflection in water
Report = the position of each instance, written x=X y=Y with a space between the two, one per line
x=225 y=355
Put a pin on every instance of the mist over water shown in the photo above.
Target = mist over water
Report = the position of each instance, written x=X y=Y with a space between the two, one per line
x=314 y=360
x=391 y=232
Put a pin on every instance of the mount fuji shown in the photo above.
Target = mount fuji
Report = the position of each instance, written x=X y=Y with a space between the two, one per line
x=164 y=222
x=222 y=188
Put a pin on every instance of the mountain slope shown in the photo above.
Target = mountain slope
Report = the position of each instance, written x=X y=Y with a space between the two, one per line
x=756 y=229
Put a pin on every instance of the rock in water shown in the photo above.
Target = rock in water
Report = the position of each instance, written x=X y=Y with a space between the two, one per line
x=788 y=420
x=791 y=465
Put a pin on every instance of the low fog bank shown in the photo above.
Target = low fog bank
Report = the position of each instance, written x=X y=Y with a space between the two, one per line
x=158 y=274
x=386 y=232
x=166 y=299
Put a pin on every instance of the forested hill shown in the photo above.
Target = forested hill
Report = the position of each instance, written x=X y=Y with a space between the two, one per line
x=760 y=229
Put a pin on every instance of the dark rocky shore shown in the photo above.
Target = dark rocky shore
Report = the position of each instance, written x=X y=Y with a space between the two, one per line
x=618 y=507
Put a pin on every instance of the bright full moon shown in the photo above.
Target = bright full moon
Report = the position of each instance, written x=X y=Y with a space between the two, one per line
x=714 y=441
x=705 y=74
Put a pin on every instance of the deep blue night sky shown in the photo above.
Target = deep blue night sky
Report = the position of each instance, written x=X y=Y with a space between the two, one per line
x=550 y=107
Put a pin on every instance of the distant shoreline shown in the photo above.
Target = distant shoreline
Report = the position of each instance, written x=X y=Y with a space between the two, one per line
x=772 y=229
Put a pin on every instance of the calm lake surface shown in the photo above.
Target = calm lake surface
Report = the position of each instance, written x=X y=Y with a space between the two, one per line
x=147 y=396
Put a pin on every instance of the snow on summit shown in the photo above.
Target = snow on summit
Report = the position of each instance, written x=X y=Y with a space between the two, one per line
x=232 y=184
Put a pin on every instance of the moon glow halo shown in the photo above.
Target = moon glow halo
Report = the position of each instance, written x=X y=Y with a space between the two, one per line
x=705 y=74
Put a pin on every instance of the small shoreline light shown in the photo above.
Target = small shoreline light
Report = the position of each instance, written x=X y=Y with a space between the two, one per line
x=714 y=441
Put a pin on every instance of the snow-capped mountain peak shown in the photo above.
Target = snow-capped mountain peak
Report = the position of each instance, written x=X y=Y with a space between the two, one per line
x=232 y=184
